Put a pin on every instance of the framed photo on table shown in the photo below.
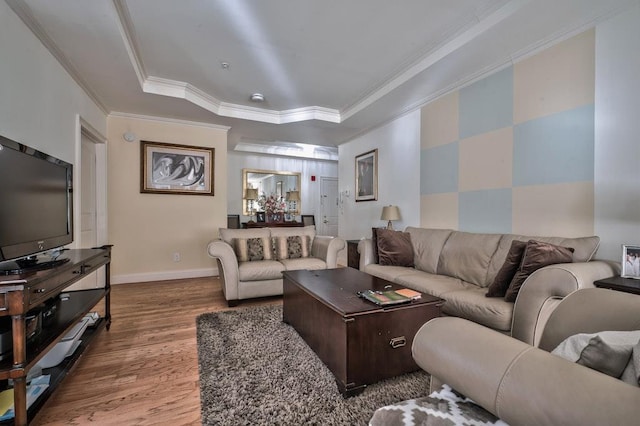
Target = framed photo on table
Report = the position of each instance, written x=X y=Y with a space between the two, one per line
x=176 y=169
x=367 y=176
x=630 y=262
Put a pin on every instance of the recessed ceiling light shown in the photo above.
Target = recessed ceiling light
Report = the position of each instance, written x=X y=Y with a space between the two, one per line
x=257 y=97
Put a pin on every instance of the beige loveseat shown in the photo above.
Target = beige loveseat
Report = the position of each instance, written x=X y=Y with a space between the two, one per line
x=280 y=250
x=525 y=385
x=459 y=266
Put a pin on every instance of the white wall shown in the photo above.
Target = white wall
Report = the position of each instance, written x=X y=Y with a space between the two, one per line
x=40 y=104
x=310 y=191
x=398 y=145
x=617 y=134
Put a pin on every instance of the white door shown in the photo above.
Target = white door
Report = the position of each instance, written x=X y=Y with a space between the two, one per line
x=328 y=206
x=88 y=209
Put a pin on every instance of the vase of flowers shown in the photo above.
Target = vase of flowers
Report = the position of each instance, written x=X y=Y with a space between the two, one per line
x=274 y=207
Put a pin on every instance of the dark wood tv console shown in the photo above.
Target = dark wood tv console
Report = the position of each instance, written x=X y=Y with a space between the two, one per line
x=21 y=293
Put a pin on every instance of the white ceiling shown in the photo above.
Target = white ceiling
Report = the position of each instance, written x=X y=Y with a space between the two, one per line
x=329 y=69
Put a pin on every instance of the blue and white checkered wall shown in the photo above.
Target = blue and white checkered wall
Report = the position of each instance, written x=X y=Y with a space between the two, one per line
x=514 y=152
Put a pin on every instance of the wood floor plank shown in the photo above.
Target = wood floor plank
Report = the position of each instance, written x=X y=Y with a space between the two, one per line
x=144 y=371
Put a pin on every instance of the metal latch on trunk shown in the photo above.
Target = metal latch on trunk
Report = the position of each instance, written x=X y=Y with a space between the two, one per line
x=398 y=342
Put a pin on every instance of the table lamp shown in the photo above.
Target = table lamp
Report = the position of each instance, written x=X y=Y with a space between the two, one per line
x=251 y=194
x=390 y=213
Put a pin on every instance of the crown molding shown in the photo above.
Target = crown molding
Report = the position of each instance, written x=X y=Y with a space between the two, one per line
x=22 y=10
x=119 y=114
x=434 y=56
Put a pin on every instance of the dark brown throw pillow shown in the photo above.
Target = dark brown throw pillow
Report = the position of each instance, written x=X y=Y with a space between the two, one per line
x=536 y=255
x=511 y=264
x=374 y=240
x=394 y=248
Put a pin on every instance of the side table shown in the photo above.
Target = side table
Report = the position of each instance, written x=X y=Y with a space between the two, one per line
x=353 y=257
x=628 y=285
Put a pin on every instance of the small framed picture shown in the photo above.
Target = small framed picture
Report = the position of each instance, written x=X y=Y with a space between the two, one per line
x=367 y=176
x=260 y=217
x=176 y=169
x=631 y=262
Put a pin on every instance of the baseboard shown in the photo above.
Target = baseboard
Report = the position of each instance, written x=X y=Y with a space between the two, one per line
x=163 y=276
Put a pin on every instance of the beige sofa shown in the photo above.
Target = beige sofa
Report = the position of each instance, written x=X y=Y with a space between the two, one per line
x=459 y=266
x=258 y=278
x=525 y=385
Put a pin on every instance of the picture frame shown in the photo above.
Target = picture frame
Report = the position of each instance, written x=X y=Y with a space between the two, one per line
x=366 y=169
x=260 y=217
x=176 y=169
x=630 y=261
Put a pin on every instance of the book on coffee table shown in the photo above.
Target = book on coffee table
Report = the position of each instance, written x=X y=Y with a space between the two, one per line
x=384 y=298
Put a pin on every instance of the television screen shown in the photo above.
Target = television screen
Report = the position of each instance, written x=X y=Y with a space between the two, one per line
x=35 y=201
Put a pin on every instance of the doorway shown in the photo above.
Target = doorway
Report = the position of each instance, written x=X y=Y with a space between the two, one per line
x=92 y=199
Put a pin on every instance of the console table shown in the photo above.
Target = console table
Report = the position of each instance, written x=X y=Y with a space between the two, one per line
x=21 y=293
x=272 y=224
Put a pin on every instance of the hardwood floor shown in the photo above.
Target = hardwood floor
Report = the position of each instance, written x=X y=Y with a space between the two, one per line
x=144 y=371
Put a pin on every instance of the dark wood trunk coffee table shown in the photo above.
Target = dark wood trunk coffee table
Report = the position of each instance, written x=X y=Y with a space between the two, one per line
x=360 y=342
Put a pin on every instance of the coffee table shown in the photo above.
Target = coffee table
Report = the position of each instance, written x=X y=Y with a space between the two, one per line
x=360 y=342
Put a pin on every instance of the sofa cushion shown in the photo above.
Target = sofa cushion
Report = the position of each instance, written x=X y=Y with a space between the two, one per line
x=292 y=247
x=293 y=231
x=467 y=256
x=500 y=284
x=394 y=248
x=227 y=235
x=309 y=263
x=389 y=273
x=472 y=304
x=537 y=254
x=252 y=249
x=260 y=270
x=435 y=285
x=427 y=245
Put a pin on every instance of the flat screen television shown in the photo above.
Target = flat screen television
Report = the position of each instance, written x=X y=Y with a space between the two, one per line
x=36 y=208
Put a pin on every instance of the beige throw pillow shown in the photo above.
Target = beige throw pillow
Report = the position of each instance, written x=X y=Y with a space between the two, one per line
x=252 y=249
x=292 y=247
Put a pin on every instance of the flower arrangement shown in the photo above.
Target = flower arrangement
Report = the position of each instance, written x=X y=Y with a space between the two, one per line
x=272 y=203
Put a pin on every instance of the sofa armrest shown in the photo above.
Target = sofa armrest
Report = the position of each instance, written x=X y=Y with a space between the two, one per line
x=327 y=248
x=544 y=290
x=365 y=248
x=227 y=267
x=517 y=382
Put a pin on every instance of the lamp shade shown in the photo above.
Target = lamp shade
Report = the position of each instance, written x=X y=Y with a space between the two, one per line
x=251 y=194
x=390 y=213
x=293 y=196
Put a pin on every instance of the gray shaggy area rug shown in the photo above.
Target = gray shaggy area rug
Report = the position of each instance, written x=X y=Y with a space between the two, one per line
x=257 y=370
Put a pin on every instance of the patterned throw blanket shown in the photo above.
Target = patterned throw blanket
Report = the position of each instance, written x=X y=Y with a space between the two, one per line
x=444 y=407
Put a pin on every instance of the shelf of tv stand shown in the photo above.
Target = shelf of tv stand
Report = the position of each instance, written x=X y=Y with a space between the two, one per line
x=60 y=371
x=69 y=313
x=20 y=293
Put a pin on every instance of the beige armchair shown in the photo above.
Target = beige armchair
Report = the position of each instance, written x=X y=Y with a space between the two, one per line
x=526 y=385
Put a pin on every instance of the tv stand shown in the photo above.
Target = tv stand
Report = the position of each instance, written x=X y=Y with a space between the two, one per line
x=25 y=266
x=21 y=293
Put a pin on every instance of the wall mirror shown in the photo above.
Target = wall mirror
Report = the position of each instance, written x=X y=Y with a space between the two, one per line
x=283 y=187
